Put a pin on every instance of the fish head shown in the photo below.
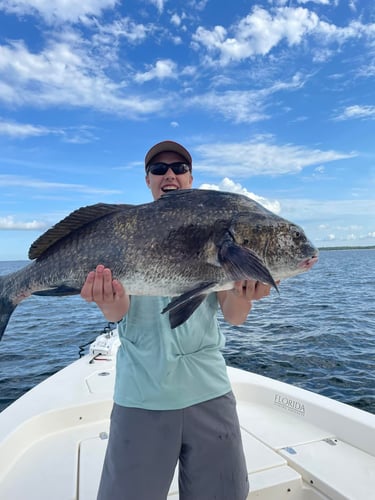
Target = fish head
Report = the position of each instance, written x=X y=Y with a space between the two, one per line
x=282 y=246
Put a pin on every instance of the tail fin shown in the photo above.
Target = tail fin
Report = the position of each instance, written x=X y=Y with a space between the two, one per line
x=6 y=308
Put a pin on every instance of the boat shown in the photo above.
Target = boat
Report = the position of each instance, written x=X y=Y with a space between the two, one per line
x=298 y=445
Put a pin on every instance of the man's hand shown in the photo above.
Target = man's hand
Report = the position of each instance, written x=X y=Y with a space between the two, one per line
x=236 y=303
x=107 y=293
x=251 y=290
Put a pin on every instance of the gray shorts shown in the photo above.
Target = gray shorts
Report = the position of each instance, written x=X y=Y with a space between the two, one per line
x=145 y=445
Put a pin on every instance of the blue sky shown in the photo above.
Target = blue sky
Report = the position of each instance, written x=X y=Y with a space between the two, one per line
x=274 y=99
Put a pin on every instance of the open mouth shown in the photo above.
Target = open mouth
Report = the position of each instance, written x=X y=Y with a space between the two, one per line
x=308 y=263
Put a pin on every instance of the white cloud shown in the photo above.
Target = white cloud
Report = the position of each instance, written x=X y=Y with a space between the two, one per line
x=262 y=31
x=58 y=10
x=258 y=33
x=353 y=5
x=200 y=5
x=239 y=106
x=159 y=4
x=38 y=184
x=357 y=112
x=176 y=20
x=67 y=72
x=9 y=222
x=76 y=135
x=164 y=68
x=234 y=187
x=322 y=2
x=20 y=130
x=261 y=157
x=123 y=27
x=320 y=170
x=245 y=106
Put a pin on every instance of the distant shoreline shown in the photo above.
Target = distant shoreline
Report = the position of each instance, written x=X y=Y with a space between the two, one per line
x=369 y=247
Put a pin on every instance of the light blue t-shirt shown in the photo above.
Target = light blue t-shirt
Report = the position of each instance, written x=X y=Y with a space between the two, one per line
x=163 y=369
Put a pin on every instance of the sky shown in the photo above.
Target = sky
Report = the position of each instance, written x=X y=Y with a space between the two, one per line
x=274 y=99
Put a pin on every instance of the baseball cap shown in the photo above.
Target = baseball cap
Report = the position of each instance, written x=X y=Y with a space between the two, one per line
x=164 y=146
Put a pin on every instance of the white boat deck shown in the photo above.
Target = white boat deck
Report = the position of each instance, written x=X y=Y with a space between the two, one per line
x=298 y=445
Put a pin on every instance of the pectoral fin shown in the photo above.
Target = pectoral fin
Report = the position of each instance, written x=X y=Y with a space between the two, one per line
x=58 y=291
x=241 y=263
x=182 y=307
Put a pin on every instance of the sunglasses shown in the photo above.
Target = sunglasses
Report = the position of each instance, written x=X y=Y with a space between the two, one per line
x=160 y=168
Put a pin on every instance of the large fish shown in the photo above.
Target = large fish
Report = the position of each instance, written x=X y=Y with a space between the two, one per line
x=185 y=245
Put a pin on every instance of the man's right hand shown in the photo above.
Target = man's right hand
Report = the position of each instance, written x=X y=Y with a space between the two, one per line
x=107 y=293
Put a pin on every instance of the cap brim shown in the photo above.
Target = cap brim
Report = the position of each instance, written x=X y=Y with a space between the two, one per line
x=164 y=146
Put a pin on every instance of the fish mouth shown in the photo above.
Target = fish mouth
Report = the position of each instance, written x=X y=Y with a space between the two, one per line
x=308 y=263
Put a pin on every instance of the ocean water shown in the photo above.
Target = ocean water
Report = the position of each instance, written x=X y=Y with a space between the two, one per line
x=318 y=333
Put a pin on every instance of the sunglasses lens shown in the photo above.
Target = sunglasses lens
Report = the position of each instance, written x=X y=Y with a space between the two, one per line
x=179 y=168
x=161 y=168
x=158 y=168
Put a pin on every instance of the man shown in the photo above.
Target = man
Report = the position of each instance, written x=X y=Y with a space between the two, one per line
x=173 y=400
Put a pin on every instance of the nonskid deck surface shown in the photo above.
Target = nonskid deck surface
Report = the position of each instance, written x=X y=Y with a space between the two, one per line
x=298 y=445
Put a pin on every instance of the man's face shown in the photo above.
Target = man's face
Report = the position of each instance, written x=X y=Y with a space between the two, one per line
x=161 y=184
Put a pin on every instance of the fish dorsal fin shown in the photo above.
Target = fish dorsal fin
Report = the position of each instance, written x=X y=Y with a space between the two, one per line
x=72 y=222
